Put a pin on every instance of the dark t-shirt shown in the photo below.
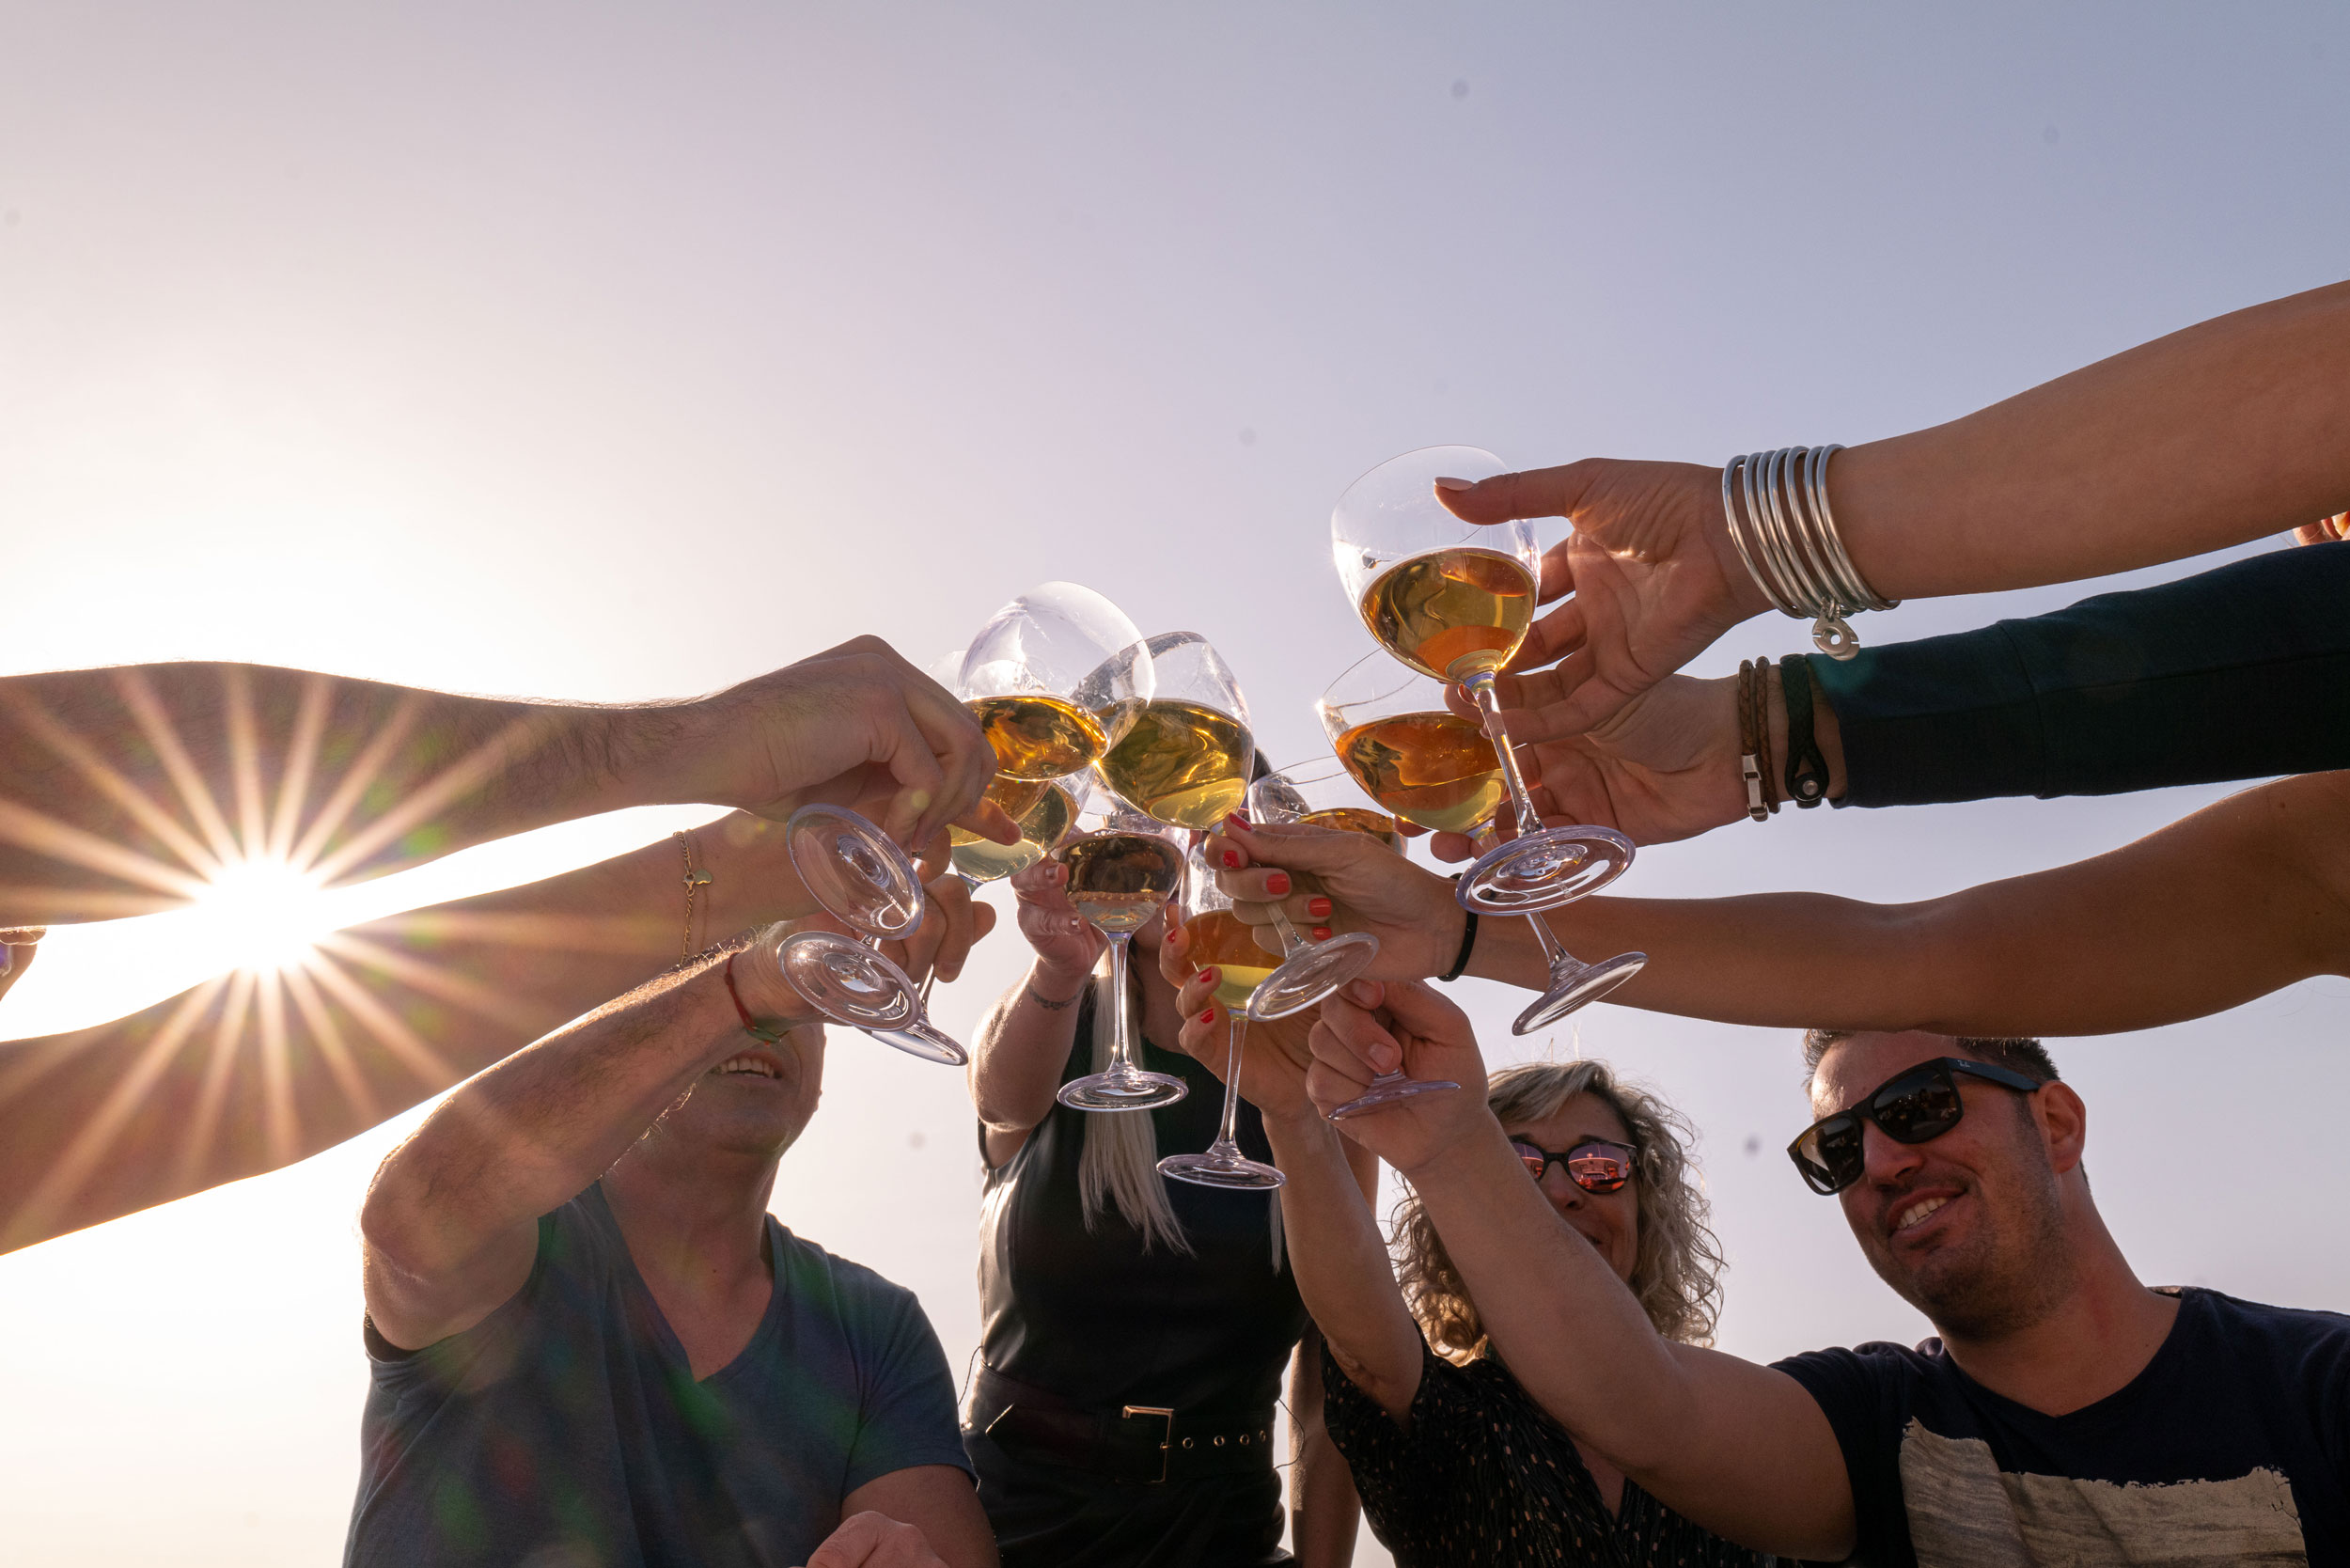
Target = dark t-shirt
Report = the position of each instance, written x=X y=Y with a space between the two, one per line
x=2233 y=1446
x=567 y=1428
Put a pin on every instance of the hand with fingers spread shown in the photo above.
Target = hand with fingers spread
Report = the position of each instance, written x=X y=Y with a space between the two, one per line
x=872 y=1540
x=1651 y=567
x=1328 y=883
x=1272 y=1068
x=1367 y=1029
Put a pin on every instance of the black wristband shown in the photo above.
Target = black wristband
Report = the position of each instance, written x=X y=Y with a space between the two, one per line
x=1469 y=944
x=1807 y=770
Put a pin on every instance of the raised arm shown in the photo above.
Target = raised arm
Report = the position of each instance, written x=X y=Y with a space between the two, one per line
x=450 y=1225
x=1739 y=1448
x=124 y=791
x=2225 y=432
x=2239 y=899
x=1025 y=1039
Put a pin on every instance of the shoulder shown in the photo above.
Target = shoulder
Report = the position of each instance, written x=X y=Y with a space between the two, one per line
x=2299 y=1337
x=860 y=1297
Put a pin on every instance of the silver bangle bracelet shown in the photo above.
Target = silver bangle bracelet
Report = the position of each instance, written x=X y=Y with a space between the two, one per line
x=1775 y=506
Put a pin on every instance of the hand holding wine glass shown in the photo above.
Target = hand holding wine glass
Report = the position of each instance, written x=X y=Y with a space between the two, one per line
x=1231 y=969
x=1368 y=1029
x=1273 y=1069
x=1339 y=883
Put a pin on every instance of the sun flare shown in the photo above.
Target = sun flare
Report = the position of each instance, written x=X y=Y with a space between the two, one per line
x=266 y=914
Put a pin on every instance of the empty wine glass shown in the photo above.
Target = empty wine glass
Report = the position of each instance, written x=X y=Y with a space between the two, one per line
x=1215 y=936
x=865 y=882
x=1453 y=600
x=1426 y=764
x=1323 y=795
x=1122 y=868
x=1187 y=758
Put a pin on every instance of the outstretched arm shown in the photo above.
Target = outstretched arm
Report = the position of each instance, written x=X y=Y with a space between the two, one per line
x=125 y=789
x=1741 y=1450
x=2225 y=432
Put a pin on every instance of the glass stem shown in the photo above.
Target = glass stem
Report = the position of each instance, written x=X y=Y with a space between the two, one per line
x=1122 y=1034
x=1227 y=1145
x=1481 y=688
x=1556 y=956
x=1290 y=941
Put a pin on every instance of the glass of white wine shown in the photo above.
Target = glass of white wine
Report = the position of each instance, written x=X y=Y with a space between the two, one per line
x=1185 y=761
x=1217 y=936
x=1324 y=796
x=1426 y=764
x=865 y=882
x=1453 y=600
x=1122 y=868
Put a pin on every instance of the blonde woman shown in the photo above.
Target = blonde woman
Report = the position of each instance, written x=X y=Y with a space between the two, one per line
x=1134 y=1330
x=1455 y=1462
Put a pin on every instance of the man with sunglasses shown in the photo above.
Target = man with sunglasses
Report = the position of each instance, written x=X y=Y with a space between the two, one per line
x=2065 y=1413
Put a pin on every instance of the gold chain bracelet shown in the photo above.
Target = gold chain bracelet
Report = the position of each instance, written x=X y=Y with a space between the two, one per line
x=695 y=880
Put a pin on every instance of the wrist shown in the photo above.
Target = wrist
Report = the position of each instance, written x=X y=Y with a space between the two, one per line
x=756 y=972
x=1053 y=983
x=1744 y=596
x=1824 y=731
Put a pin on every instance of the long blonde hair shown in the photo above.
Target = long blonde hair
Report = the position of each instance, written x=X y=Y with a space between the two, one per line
x=1118 y=1168
x=1676 y=1269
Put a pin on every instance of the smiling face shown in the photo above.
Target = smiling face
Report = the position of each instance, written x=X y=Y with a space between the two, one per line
x=1968 y=1226
x=1609 y=1221
x=757 y=1102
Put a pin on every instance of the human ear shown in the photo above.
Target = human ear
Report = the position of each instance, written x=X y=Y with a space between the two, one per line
x=2062 y=1119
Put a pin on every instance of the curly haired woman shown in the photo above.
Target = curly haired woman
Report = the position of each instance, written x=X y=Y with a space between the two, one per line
x=1454 y=1463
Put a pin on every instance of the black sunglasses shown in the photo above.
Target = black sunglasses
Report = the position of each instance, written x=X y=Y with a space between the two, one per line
x=1914 y=1105
x=1594 y=1164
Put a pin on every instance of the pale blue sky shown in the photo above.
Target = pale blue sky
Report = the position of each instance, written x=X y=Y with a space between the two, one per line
x=610 y=351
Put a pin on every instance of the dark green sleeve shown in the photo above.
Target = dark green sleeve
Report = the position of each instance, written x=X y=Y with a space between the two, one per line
x=2239 y=672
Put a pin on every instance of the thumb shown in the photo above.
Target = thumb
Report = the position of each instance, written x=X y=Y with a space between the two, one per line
x=1294 y=846
x=1416 y=1006
x=1530 y=493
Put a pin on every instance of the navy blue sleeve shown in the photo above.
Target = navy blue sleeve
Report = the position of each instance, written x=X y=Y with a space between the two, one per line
x=2239 y=672
x=1864 y=1393
x=908 y=1415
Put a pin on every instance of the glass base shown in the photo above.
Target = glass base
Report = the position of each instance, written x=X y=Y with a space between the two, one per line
x=1542 y=870
x=1311 y=974
x=1574 y=986
x=1232 y=1172
x=1114 y=1091
x=852 y=869
x=921 y=1040
x=848 y=981
x=1387 y=1089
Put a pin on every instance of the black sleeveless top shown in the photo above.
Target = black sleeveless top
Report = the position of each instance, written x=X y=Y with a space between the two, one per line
x=1093 y=1317
x=1092 y=1322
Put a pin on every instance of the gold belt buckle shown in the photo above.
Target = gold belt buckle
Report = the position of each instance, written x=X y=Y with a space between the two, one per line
x=1166 y=1436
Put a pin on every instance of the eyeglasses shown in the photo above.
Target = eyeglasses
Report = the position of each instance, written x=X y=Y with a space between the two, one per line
x=1599 y=1164
x=1915 y=1105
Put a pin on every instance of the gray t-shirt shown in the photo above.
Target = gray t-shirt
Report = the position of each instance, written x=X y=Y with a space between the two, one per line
x=565 y=1430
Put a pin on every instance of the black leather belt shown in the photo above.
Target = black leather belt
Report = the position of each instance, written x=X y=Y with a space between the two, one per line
x=1142 y=1444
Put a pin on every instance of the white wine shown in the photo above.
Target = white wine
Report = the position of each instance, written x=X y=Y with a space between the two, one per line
x=1017 y=796
x=1119 y=880
x=1039 y=737
x=1437 y=770
x=1220 y=937
x=1354 y=818
x=1183 y=763
x=984 y=860
x=1451 y=613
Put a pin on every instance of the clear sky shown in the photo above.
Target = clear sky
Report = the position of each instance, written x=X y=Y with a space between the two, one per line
x=618 y=352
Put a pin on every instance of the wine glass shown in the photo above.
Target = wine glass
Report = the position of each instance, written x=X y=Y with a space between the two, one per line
x=1324 y=796
x=1311 y=970
x=1216 y=935
x=1122 y=868
x=865 y=882
x=1187 y=759
x=1426 y=764
x=1453 y=600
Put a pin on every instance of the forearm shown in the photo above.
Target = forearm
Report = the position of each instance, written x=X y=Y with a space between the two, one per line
x=1021 y=1045
x=1342 y=1266
x=126 y=787
x=1324 y=1509
x=2232 y=429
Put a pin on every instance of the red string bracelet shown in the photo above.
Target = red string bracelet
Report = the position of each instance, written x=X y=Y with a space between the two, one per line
x=750 y=1026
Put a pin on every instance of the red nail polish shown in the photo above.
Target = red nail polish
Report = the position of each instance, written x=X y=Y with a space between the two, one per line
x=1232 y=861
x=1209 y=974
x=1322 y=933
x=1318 y=907
x=1235 y=819
x=1278 y=883
x=1208 y=1017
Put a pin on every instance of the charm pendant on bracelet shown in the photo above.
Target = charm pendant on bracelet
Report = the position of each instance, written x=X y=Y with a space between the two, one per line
x=1833 y=635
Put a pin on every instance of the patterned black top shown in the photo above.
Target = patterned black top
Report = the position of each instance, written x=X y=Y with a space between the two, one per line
x=1484 y=1477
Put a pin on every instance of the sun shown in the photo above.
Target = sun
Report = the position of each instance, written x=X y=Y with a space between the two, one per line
x=265 y=913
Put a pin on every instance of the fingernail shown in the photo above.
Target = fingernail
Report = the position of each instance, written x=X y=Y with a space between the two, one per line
x=1208 y=1017
x=1235 y=819
x=1232 y=861
x=1322 y=933
x=1209 y=974
x=1075 y=921
x=1278 y=883
x=1449 y=483
x=1318 y=907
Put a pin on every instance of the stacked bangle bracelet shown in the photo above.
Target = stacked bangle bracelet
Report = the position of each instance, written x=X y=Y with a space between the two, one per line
x=1775 y=505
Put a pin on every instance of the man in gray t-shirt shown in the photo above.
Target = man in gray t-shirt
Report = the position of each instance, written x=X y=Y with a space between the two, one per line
x=643 y=1368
